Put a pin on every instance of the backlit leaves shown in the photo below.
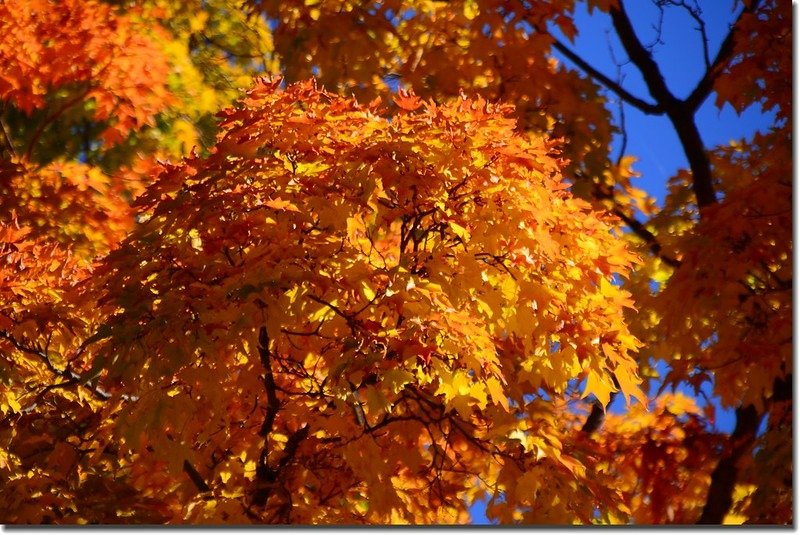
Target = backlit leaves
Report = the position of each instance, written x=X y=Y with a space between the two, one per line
x=417 y=276
x=333 y=312
x=82 y=52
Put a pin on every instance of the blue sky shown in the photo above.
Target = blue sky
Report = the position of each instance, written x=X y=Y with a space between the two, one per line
x=652 y=140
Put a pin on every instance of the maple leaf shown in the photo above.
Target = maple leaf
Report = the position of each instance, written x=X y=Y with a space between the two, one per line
x=326 y=313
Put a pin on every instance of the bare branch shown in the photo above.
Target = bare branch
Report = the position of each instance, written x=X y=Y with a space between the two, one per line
x=7 y=139
x=70 y=378
x=706 y=84
x=723 y=478
x=596 y=416
x=195 y=476
x=32 y=350
x=620 y=103
x=598 y=413
x=640 y=230
x=680 y=114
x=658 y=27
x=52 y=117
x=621 y=92
x=697 y=14
x=642 y=58
x=273 y=404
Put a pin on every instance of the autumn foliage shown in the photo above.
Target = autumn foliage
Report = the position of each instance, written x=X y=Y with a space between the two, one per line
x=245 y=278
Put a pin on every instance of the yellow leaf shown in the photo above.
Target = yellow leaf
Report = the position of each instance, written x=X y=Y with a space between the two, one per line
x=376 y=401
x=198 y=21
x=496 y=392
x=225 y=475
x=519 y=434
x=459 y=231
x=397 y=379
x=369 y=293
x=250 y=467
x=10 y=402
x=478 y=392
x=573 y=465
x=600 y=386
x=484 y=308
x=471 y=9
x=280 y=204
x=320 y=314
x=629 y=385
x=734 y=519
x=197 y=243
x=509 y=288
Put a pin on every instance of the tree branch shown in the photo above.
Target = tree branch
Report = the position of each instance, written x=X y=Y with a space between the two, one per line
x=680 y=114
x=273 y=404
x=598 y=414
x=70 y=378
x=694 y=148
x=52 y=117
x=195 y=476
x=640 y=230
x=706 y=84
x=782 y=389
x=696 y=13
x=7 y=139
x=621 y=92
x=266 y=476
x=723 y=478
x=640 y=57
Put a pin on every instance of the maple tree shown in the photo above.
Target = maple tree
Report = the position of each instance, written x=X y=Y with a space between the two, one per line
x=326 y=301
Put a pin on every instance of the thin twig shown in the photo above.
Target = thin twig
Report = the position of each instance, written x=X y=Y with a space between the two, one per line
x=706 y=84
x=620 y=103
x=71 y=378
x=636 y=102
x=7 y=139
x=52 y=117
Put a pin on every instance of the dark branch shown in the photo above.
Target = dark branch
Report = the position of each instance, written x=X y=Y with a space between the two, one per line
x=680 y=114
x=697 y=14
x=782 y=389
x=640 y=57
x=723 y=478
x=37 y=352
x=292 y=444
x=621 y=92
x=52 y=117
x=694 y=148
x=267 y=476
x=640 y=230
x=70 y=378
x=195 y=476
x=7 y=139
x=273 y=404
x=623 y=146
x=706 y=84
x=597 y=416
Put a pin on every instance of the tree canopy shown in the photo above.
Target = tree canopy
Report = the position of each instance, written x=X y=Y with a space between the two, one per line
x=343 y=263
